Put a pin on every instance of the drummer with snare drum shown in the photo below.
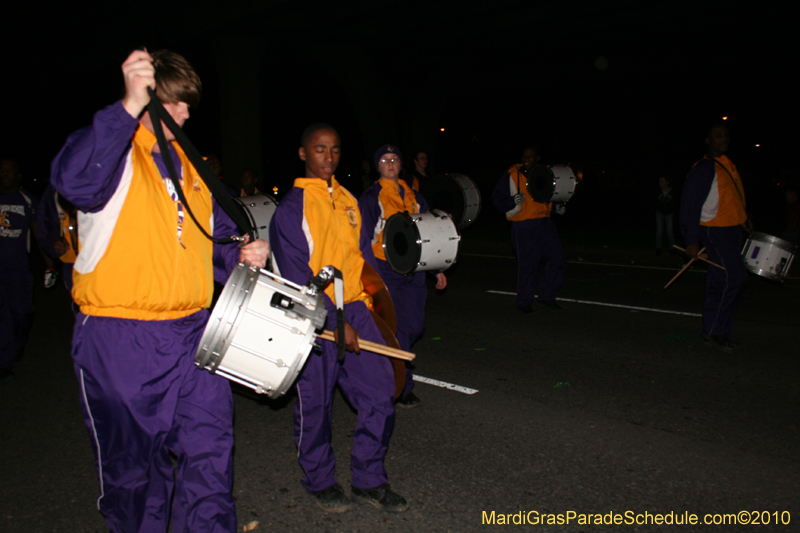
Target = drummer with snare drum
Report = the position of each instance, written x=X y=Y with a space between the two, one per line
x=533 y=236
x=143 y=281
x=387 y=196
x=713 y=211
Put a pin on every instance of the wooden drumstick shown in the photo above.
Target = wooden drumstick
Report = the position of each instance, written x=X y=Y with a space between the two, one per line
x=698 y=256
x=373 y=347
x=685 y=267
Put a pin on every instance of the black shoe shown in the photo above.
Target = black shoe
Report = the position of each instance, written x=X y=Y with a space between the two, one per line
x=381 y=497
x=549 y=304
x=6 y=373
x=720 y=342
x=407 y=401
x=333 y=499
x=525 y=309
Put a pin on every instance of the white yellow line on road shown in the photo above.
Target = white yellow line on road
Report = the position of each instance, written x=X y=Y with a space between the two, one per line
x=611 y=305
x=444 y=384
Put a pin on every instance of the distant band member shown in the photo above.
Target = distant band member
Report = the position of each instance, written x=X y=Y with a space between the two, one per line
x=143 y=281
x=17 y=222
x=318 y=223
x=388 y=196
x=533 y=236
x=57 y=221
x=418 y=177
x=713 y=213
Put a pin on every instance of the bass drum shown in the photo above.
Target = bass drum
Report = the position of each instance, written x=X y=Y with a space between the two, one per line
x=261 y=331
x=768 y=256
x=455 y=194
x=555 y=183
x=420 y=242
x=259 y=209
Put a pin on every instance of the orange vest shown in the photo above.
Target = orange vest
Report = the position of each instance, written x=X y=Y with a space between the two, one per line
x=530 y=208
x=727 y=204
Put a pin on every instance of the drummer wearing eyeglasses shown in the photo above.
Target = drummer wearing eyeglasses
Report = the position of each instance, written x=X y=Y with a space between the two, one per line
x=533 y=236
x=387 y=196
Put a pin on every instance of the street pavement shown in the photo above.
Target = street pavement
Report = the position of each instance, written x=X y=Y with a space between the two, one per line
x=595 y=412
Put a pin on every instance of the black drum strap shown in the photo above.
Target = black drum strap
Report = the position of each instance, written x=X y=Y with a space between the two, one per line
x=218 y=191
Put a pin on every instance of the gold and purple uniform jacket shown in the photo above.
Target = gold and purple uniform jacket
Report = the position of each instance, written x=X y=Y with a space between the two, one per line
x=314 y=227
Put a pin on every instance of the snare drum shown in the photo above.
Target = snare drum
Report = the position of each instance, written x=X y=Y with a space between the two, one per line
x=456 y=194
x=259 y=209
x=420 y=242
x=555 y=183
x=768 y=256
x=261 y=331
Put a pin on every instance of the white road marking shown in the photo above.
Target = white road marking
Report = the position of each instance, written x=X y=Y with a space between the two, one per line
x=611 y=305
x=444 y=384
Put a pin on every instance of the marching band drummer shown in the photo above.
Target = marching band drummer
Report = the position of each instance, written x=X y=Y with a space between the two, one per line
x=318 y=223
x=143 y=281
x=533 y=236
x=387 y=196
x=713 y=212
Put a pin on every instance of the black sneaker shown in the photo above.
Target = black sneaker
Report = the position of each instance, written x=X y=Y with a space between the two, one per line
x=381 y=497
x=549 y=304
x=720 y=343
x=407 y=401
x=525 y=309
x=333 y=499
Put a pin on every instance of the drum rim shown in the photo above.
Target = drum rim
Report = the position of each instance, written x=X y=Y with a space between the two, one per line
x=418 y=249
x=245 y=201
x=211 y=337
x=757 y=236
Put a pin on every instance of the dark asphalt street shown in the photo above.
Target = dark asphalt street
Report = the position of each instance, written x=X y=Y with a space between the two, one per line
x=594 y=410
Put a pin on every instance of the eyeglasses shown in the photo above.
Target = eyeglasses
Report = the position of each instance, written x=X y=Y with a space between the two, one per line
x=393 y=160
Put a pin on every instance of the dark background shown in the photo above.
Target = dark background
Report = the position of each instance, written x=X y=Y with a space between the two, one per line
x=623 y=90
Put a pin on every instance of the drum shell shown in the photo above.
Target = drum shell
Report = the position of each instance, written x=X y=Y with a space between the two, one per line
x=428 y=241
x=768 y=256
x=259 y=209
x=457 y=195
x=255 y=343
x=555 y=183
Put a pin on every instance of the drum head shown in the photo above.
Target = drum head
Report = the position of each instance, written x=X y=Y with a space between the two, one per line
x=400 y=244
x=541 y=183
x=443 y=193
x=259 y=209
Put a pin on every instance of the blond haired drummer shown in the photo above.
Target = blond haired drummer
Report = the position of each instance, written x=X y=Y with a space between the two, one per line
x=388 y=196
x=143 y=281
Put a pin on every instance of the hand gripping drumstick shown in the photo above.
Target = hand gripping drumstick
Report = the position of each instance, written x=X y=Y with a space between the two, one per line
x=686 y=266
x=700 y=258
x=373 y=347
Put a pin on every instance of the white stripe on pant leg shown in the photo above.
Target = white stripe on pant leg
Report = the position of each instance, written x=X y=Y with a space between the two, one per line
x=96 y=440
x=300 y=401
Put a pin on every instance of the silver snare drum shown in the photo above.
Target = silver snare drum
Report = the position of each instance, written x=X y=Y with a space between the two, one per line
x=768 y=256
x=261 y=331
x=259 y=209
x=420 y=242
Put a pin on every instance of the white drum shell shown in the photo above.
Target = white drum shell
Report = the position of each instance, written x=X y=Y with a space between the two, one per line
x=254 y=343
x=259 y=209
x=768 y=256
x=472 y=199
x=563 y=183
x=438 y=239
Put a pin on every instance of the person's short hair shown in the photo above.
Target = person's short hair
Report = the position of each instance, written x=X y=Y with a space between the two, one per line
x=716 y=124
x=16 y=168
x=532 y=147
x=313 y=128
x=176 y=79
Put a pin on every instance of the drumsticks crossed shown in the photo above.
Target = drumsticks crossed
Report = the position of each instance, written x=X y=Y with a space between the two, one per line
x=687 y=265
x=327 y=335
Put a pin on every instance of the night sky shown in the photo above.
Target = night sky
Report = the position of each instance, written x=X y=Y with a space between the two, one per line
x=626 y=88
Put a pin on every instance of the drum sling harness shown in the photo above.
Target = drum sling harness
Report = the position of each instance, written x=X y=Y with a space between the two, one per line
x=214 y=184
